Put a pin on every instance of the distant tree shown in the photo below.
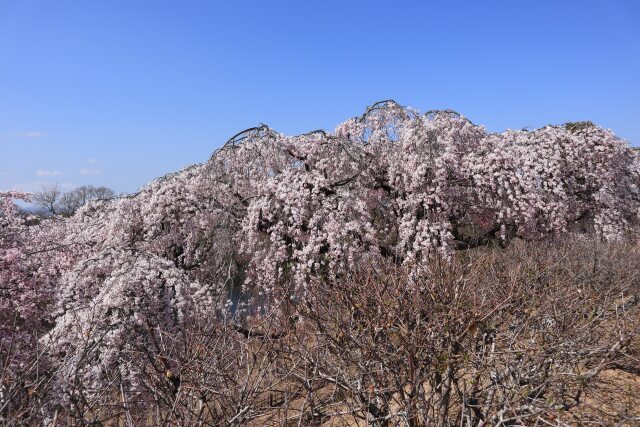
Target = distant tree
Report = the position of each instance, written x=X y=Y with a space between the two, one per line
x=47 y=199
x=71 y=201
x=52 y=201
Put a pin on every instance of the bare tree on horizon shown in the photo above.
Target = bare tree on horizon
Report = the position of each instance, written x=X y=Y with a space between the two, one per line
x=50 y=200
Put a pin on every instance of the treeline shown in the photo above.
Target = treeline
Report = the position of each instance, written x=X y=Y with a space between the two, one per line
x=51 y=200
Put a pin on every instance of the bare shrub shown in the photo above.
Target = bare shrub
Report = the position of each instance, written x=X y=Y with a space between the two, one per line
x=495 y=337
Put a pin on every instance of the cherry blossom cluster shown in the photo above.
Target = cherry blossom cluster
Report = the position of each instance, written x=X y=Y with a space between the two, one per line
x=110 y=307
x=26 y=281
x=268 y=215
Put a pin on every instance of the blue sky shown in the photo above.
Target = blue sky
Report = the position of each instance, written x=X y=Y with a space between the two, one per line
x=118 y=92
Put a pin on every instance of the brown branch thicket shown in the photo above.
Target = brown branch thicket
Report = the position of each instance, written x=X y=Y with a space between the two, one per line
x=497 y=337
x=542 y=333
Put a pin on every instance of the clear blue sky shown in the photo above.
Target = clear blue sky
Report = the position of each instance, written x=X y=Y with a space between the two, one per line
x=118 y=92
